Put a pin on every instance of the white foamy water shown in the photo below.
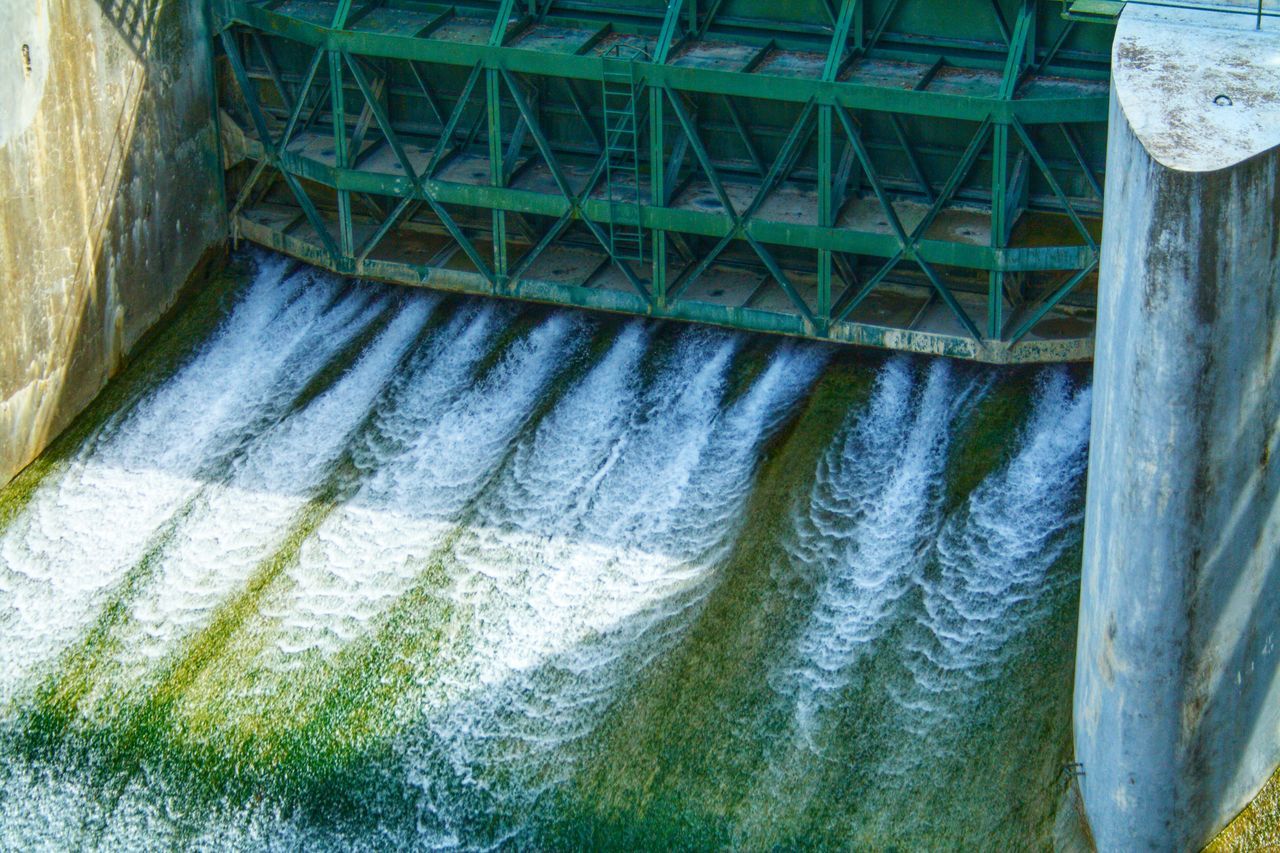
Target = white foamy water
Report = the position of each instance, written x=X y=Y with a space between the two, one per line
x=871 y=517
x=588 y=572
x=86 y=526
x=452 y=436
x=235 y=525
x=993 y=555
x=545 y=489
x=46 y=808
x=517 y=537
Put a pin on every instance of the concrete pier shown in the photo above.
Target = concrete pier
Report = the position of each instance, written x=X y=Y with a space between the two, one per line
x=110 y=193
x=1177 y=705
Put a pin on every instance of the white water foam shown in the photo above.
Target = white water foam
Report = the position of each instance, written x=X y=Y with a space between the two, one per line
x=576 y=553
x=86 y=526
x=452 y=437
x=544 y=491
x=235 y=525
x=995 y=553
x=587 y=573
x=872 y=515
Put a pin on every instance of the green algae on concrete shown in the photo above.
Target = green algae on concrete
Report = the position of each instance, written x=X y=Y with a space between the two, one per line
x=694 y=751
x=698 y=754
x=209 y=294
x=1255 y=828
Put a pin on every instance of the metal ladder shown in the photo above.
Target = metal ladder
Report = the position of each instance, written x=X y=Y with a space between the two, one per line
x=622 y=153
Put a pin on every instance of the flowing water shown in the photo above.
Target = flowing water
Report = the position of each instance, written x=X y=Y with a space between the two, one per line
x=337 y=565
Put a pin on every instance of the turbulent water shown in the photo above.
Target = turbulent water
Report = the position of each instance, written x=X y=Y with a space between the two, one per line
x=368 y=568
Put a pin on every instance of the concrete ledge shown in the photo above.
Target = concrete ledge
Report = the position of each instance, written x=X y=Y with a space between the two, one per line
x=1200 y=89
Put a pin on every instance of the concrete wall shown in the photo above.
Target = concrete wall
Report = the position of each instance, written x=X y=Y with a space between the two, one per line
x=1177 y=706
x=109 y=195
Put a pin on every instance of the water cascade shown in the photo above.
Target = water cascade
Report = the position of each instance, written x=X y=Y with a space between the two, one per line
x=379 y=567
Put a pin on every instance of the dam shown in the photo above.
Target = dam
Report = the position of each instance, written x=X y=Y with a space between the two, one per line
x=578 y=425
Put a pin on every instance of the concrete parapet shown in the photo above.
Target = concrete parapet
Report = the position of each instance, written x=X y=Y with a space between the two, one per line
x=1177 y=704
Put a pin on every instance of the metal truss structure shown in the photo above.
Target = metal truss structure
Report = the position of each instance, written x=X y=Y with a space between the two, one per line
x=896 y=173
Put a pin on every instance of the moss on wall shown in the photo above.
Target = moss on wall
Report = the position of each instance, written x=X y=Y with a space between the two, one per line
x=1255 y=828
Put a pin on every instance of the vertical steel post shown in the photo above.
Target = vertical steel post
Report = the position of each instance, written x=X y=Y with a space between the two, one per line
x=825 y=212
x=657 y=142
x=497 y=172
x=848 y=20
x=999 y=226
x=658 y=191
x=493 y=103
x=341 y=157
x=1022 y=54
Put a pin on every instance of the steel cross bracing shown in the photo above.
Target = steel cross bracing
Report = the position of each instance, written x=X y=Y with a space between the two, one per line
x=899 y=173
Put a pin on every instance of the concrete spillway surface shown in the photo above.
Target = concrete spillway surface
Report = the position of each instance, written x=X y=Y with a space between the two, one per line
x=383 y=568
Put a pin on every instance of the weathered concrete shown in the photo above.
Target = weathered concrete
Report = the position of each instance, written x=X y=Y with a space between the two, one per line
x=1177 y=707
x=109 y=195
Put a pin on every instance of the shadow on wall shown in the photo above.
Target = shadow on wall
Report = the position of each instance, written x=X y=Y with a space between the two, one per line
x=1226 y=734
x=1230 y=711
x=1257 y=827
x=135 y=21
x=1232 y=717
x=115 y=199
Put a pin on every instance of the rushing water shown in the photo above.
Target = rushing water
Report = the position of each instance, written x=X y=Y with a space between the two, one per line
x=365 y=567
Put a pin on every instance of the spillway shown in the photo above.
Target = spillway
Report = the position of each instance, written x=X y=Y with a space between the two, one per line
x=374 y=567
x=408 y=548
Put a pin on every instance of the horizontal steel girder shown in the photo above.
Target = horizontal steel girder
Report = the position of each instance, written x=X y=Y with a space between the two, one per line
x=701 y=223
x=1062 y=109
x=623 y=302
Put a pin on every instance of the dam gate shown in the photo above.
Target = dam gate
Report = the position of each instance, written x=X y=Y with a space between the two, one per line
x=877 y=172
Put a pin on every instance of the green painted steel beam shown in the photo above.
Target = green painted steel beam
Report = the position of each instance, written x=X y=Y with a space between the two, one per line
x=628 y=302
x=696 y=222
x=851 y=95
x=844 y=140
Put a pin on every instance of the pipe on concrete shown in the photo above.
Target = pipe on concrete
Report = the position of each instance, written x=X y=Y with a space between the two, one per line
x=1177 y=696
